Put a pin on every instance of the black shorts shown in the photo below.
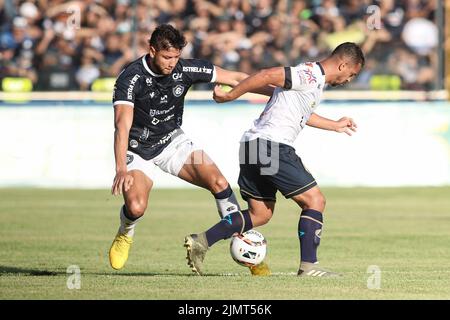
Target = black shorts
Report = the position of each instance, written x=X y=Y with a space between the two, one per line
x=268 y=166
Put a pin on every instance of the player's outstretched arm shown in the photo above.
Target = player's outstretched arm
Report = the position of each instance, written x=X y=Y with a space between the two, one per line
x=345 y=124
x=233 y=78
x=123 y=118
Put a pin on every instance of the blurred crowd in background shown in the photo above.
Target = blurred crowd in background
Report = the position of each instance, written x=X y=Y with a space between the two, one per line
x=67 y=45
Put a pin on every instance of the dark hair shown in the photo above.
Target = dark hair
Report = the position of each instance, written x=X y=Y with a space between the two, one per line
x=351 y=51
x=165 y=36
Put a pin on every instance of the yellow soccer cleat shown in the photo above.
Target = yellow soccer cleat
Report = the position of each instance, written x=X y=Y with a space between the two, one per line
x=261 y=269
x=118 y=254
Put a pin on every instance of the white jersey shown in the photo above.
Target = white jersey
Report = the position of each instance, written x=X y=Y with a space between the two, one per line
x=289 y=108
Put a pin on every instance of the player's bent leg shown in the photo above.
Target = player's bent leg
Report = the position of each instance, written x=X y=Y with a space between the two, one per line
x=237 y=222
x=197 y=244
x=201 y=171
x=135 y=205
x=311 y=199
x=310 y=227
x=261 y=212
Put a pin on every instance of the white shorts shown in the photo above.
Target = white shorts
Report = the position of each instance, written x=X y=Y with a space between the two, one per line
x=170 y=160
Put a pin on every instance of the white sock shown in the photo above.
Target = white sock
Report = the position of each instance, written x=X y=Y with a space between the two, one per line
x=126 y=225
x=227 y=205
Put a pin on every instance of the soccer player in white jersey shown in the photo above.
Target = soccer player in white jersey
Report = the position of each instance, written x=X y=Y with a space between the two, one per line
x=268 y=162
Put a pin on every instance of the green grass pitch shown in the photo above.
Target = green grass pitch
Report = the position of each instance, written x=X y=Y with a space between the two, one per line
x=403 y=231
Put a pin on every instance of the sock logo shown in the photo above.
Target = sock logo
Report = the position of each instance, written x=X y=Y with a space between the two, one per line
x=301 y=234
x=232 y=208
x=228 y=219
x=318 y=233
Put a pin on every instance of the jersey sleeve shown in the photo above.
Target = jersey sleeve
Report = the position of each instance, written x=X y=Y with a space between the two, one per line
x=125 y=87
x=299 y=78
x=198 y=70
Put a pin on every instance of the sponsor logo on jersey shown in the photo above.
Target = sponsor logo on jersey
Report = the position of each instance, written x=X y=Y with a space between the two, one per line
x=148 y=81
x=178 y=90
x=130 y=158
x=155 y=121
x=152 y=94
x=168 y=118
x=164 y=99
x=165 y=139
x=154 y=112
x=131 y=86
x=310 y=77
x=177 y=76
x=198 y=69
x=134 y=144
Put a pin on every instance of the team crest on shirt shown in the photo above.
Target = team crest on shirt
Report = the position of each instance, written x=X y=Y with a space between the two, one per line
x=310 y=77
x=178 y=90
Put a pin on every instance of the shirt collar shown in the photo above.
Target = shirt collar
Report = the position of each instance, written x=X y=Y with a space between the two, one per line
x=321 y=68
x=144 y=62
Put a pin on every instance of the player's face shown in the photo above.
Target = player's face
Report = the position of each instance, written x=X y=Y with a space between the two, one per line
x=165 y=60
x=347 y=71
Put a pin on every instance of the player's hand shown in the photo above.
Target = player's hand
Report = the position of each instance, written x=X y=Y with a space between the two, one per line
x=221 y=96
x=346 y=125
x=122 y=183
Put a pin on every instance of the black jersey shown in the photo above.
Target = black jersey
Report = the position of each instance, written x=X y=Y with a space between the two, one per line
x=158 y=101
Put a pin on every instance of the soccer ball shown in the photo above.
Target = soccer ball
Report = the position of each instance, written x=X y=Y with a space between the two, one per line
x=248 y=249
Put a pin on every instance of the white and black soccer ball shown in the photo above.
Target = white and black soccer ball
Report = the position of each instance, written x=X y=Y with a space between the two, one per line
x=248 y=249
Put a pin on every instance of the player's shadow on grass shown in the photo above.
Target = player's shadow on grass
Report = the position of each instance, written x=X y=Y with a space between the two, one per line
x=27 y=272
x=5 y=270
x=156 y=274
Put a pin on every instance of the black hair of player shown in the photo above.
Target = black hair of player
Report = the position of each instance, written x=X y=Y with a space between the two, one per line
x=351 y=51
x=165 y=36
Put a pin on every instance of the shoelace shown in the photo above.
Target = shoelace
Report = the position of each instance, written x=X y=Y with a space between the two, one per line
x=121 y=242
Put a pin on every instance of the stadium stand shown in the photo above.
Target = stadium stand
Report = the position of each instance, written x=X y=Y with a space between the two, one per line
x=67 y=45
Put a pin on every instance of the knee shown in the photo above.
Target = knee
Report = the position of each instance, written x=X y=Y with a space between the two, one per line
x=218 y=184
x=136 y=208
x=317 y=202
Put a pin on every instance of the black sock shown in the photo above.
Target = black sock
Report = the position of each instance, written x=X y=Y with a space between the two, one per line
x=234 y=222
x=309 y=233
x=223 y=194
x=126 y=214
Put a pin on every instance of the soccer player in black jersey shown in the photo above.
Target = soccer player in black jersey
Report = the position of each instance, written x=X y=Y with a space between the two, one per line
x=148 y=111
